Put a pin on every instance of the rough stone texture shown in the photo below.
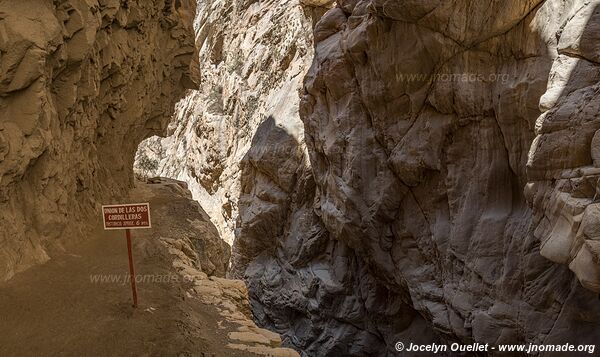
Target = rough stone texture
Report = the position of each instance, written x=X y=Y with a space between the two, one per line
x=564 y=167
x=81 y=84
x=411 y=213
x=449 y=148
x=238 y=141
x=200 y=257
x=189 y=229
x=252 y=56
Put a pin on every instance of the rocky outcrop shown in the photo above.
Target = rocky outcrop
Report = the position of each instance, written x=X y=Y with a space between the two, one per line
x=313 y=289
x=189 y=243
x=419 y=118
x=252 y=59
x=185 y=227
x=238 y=141
x=81 y=84
x=448 y=149
x=563 y=167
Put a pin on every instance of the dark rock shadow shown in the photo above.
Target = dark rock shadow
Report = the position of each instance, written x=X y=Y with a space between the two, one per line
x=433 y=202
x=426 y=230
x=312 y=289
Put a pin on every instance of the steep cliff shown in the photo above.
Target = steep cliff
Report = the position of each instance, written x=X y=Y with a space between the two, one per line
x=419 y=118
x=252 y=60
x=564 y=160
x=81 y=84
x=238 y=141
x=446 y=162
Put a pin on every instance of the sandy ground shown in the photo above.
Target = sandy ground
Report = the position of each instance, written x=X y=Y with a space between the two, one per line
x=57 y=310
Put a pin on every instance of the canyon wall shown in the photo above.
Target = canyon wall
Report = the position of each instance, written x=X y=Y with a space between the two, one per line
x=441 y=184
x=81 y=84
x=451 y=148
x=564 y=160
x=252 y=60
x=239 y=143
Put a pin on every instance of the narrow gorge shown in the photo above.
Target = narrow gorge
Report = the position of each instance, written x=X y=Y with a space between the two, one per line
x=368 y=175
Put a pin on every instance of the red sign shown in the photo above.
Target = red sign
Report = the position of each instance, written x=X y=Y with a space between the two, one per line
x=126 y=216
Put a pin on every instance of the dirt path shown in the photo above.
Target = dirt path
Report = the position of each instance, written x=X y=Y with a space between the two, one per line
x=63 y=308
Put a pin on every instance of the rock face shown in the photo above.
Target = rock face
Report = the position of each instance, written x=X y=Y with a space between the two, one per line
x=190 y=244
x=81 y=84
x=252 y=56
x=419 y=119
x=185 y=228
x=238 y=141
x=564 y=160
x=447 y=162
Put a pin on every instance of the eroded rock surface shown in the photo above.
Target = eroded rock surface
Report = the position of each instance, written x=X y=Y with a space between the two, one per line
x=252 y=60
x=81 y=84
x=419 y=118
x=195 y=251
x=238 y=141
x=448 y=149
x=563 y=167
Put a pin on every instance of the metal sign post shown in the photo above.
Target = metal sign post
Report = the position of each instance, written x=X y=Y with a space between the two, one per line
x=131 y=269
x=127 y=217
